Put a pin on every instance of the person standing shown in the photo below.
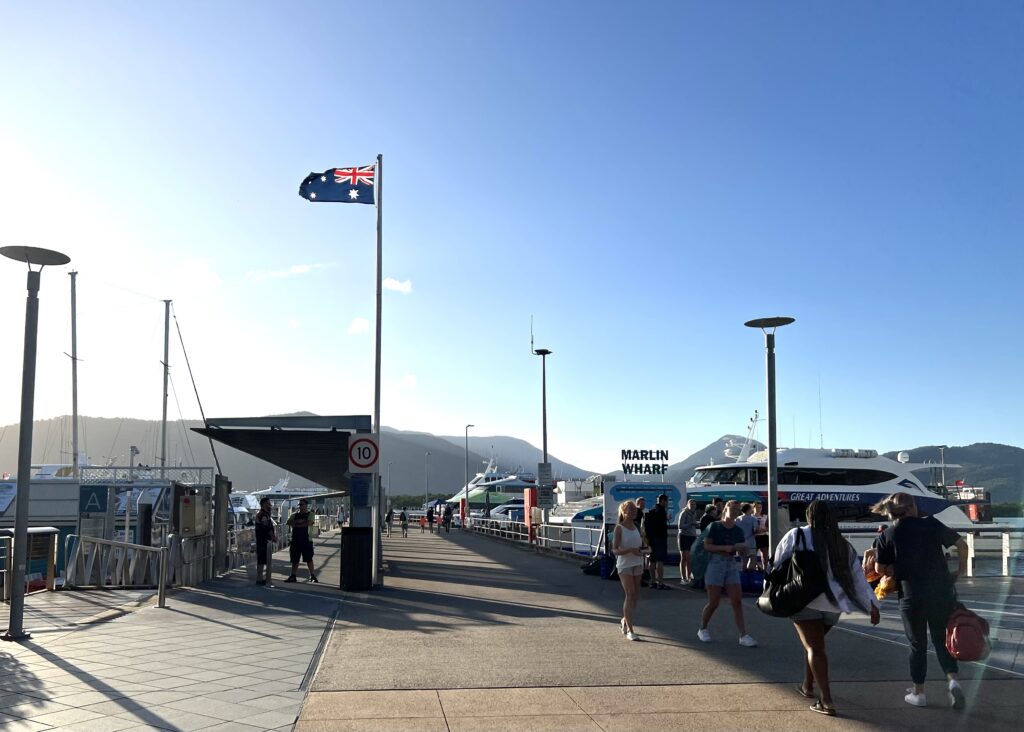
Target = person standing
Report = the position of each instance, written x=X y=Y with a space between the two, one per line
x=687 y=526
x=724 y=542
x=627 y=546
x=747 y=522
x=911 y=552
x=388 y=518
x=847 y=591
x=709 y=517
x=656 y=529
x=446 y=518
x=430 y=518
x=761 y=533
x=301 y=545
x=403 y=519
x=265 y=536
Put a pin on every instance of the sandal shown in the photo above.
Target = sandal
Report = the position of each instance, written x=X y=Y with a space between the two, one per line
x=803 y=692
x=822 y=709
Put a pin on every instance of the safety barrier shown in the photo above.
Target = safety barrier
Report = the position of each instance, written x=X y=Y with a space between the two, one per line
x=99 y=563
x=583 y=541
x=6 y=574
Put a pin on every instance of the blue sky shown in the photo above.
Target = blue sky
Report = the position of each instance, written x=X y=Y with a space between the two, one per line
x=640 y=179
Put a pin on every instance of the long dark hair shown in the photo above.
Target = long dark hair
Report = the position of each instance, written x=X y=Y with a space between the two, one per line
x=832 y=549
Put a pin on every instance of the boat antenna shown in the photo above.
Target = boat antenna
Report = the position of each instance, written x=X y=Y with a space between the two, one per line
x=531 y=334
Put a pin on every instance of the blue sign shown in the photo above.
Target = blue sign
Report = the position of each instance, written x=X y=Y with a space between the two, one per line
x=92 y=499
x=619 y=492
x=360 y=483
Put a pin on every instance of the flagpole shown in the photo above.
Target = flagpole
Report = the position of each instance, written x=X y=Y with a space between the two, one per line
x=378 y=186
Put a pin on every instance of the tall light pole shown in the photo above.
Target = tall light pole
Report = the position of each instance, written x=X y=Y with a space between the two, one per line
x=768 y=326
x=467 y=461
x=942 y=463
x=544 y=483
x=41 y=257
x=389 y=481
x=544 y=353
x=426 y=480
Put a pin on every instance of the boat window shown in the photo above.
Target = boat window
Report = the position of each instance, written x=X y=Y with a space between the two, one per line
x=833 y=476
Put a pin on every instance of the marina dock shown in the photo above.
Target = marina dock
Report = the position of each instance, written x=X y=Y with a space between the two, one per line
x=471 y=633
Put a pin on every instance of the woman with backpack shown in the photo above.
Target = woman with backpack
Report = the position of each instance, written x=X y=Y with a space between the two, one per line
x=845 y=592
x=911 y=551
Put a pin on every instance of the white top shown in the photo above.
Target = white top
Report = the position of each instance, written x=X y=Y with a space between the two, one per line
x=629 y=539
x=843 y=602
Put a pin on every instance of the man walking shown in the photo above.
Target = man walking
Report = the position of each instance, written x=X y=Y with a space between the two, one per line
x=264 y=529
x=656 y=529
x=301 y=545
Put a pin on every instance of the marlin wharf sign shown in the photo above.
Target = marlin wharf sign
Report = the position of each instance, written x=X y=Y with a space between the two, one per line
x=647 y=462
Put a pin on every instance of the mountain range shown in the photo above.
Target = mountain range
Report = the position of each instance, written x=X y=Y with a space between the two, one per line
x=407 y=466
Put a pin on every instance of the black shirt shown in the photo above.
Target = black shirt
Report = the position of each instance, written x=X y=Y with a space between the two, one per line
x=264 y=525
x=914 y=547
x=706 y=520
x=300 y=527
x=656 y=523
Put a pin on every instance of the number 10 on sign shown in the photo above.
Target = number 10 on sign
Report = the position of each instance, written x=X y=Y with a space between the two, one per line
x=363 y=454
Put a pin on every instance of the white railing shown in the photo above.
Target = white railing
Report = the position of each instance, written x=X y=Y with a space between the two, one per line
x=583 y=541
x=100 y=563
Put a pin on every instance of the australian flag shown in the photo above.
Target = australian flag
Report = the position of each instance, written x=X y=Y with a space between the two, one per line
x=341 y=185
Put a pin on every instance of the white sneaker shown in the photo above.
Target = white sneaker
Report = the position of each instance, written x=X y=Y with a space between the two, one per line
x=630 y=635
x=914 y=700
x=956 y=696
x=622 y=625
x=704 y=635
x=747 y=642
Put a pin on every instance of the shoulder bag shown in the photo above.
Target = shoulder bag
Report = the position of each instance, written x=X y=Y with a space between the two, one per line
x=790 y=586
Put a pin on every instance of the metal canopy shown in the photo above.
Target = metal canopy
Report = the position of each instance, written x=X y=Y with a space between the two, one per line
x=311 y=446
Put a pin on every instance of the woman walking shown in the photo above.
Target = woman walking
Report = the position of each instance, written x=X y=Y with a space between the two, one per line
x=847 y=591
x=910 y=551
x=724 y=542
x=687 y=526
x=627 y=546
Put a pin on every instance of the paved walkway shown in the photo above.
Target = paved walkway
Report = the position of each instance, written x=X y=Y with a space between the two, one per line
x=474 y=634
x=470 y=633
x=225 y=656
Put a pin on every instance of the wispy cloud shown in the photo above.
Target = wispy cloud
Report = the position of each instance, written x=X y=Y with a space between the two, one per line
x=358 y=325
x=390 y=283
x=259 y=275
x=408 y=381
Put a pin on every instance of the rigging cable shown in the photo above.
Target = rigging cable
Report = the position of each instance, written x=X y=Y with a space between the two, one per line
x=181 y=424
x=195 y=389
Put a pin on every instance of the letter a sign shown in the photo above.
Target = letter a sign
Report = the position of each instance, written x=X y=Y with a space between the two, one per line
x=363 y=454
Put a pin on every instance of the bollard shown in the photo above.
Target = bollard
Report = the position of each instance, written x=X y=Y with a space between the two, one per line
x=162 y=583
x=1006 y=554
x=970 y=554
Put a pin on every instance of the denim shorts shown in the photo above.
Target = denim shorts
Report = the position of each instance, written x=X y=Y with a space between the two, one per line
x=722 y=571
x=826 y=617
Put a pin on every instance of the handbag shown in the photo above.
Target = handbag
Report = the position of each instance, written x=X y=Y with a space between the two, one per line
x=967 y=635
x=790 y=586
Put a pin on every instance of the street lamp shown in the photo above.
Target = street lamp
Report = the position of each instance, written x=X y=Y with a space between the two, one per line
x=544 y=474
x=389 y=482
x=426 y=480
x=544 y=353
x=462 y=522
x=768 y=326
x=41 y=257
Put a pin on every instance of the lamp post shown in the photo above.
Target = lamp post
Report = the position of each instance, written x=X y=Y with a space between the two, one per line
x=389 y=482
x=768 y=326
x=942 y=463
x=544 y=474
x=426 y=480
x=467 y=464
x=41 y=257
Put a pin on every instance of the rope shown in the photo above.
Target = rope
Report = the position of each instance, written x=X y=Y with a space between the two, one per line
x=195 y=389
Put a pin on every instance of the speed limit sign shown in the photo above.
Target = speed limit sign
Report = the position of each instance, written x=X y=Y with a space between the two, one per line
x=363 y=454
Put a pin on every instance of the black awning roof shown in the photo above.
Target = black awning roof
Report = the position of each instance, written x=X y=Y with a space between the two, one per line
x=319 y=455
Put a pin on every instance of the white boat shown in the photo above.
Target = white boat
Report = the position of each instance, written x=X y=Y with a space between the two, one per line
x=853 y=480
x=495 y=486
x=281 y=490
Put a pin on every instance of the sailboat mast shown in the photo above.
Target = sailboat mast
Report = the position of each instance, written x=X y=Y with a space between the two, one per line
x=74 y=379
x=163 y=421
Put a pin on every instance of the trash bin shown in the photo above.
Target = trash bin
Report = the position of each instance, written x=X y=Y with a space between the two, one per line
x=356 y=558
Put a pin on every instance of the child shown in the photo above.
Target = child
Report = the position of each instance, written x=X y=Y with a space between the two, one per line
x=423 y=523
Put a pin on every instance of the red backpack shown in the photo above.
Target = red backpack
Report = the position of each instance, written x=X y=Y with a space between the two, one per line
x=967 y=635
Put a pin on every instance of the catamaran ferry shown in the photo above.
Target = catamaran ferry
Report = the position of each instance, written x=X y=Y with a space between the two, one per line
x=852 y=479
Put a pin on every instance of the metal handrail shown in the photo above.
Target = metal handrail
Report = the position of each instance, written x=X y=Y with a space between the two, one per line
x=7 y=544
x=115 y=564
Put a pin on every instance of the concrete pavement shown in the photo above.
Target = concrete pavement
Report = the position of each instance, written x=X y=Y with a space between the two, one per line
x=470 y=633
